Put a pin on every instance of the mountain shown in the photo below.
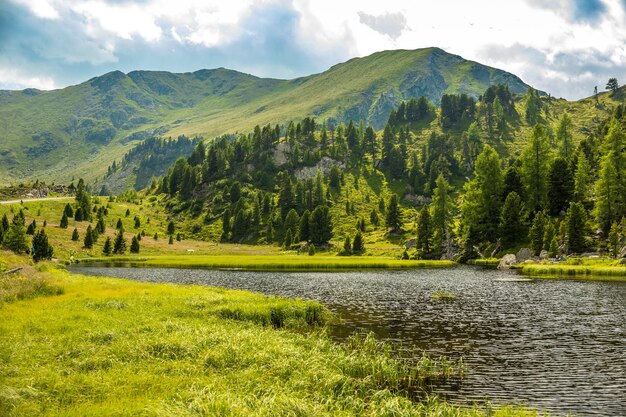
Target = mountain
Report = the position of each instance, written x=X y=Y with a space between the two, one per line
x=79 y=130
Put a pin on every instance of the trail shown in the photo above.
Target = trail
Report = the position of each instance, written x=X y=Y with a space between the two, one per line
x=27 y=200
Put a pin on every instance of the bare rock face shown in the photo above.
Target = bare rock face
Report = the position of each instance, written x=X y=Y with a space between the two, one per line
x=324 y=165
x=411 y=243
x=543 y=254
x=417 y=200
x=280 y=153
x=524 y=254
x=507 y=261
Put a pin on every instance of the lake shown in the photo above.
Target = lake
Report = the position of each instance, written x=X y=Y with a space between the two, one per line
x=558 y=345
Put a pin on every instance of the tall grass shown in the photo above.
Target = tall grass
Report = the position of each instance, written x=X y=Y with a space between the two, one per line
x=269 y=262
x=114 y=347
x=597 y=272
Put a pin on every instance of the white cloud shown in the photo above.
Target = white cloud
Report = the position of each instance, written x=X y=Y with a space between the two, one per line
x=40 y=8
x=13 y=79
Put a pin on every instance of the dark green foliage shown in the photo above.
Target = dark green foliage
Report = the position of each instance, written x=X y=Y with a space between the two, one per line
x=535 y=169
x=137 y=222
x=108 y=247
x=291 y=223
x=240 y=225
x=100 y=225
x=171 y=240
x=576 y=228
x=358 y=245
x=15 y=238
x=533 y=106
x=612 y=85
x=537 y=231
x=347 y=246
x=78 y=215
x=88 y=242
x=614 y=240
x=392 y=219
x=303 y=228
x=120 y=224
x=561 y=186
x=156 y=236
x=311 y=250
x=41 y=248
x=119 y=244
x=68 y=211
x=320 y=226
x=512 y=229
x=75 y=235
x=424 y=231
x=288 y=239
x=513 y=182
x=171 y=228
x=64 y=222
x=456 y=108
x=31 y=228
x=334 y=177
x=226 y=224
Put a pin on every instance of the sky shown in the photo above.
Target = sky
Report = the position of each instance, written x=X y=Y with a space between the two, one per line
x=563 y=47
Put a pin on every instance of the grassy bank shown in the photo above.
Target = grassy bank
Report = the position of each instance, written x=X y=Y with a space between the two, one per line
x=486 y=262
x=269 y=262
x=113 y=347
x=598 y=272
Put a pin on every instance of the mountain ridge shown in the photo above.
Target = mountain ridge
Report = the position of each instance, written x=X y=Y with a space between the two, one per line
x=80 y=129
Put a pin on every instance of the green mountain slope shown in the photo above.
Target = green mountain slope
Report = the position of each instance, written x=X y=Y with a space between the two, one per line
x=79 y=130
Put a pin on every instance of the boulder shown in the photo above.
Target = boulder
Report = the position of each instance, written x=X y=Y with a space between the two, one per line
x=411 y=243
x=524 y=254
x=543 y=254
x=507 y=261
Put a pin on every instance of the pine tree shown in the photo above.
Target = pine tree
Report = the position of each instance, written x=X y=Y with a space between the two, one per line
x=561 y=186
x=347 y=246
x=311 y=249
x=88 y=241
x=31 y=228
x=392 y=219
x=303 y=228
x=441 y=208
x=582 y=178
x=225 y=224
x=611 y=187
x=288 y=239
x=171 y=228
x=137 y=222
x=535 y=168
x=537 y=231
x=170 y=240
x=75 y=235
x=108 y=247
x=64 y=222
x=576 y=228
x=15 y=238
x=119 y=244
x=511 y=225
x=424 y=231
x=564 y=137
x=68 y=210
x=358 y=246
x=614 y=237
x=134 y=245
x=41 y=248
x=100 y=226
x=320 y=226
x=119 y=225
x=291 y=223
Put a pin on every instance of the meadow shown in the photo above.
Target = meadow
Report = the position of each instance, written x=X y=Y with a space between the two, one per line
x=104 y=346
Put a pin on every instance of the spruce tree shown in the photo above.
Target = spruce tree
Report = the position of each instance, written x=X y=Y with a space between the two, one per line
x=68 y=210
x=31 y=228
x=291 y=223
x=392 y=219
x=564 y=137
x=171 y=228
x=88 y=241
x=576 y=228
x=614 y=237
x=288 y=239
x=226 y=224
x=120 y=224
x=64 y=222
x=119 y=244
x=582 y=178
x=347 y=246
x=535 y=169
x=137 y=222
x=15 y=238
x=134 y=245
x=75 y=235
x=561 y=186
x=441 y=207
x=424 y=231
x=537 y=231
x=320 y=226
x=171 y=240
x=108 y=247
x=41 y=248
x=358 y=246
x=303 y=228
x=511 y=224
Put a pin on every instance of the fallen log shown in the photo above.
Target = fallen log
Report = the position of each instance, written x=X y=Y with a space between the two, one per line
x=13 y=271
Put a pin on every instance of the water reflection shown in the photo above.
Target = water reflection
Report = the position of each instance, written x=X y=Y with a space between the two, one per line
x=557 y=345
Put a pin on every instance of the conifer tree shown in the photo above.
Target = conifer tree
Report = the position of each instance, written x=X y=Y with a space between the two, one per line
x=537 y=231
x=288 y=239
x=171 y=228
x=108 y=247
x=441 y=208
x=88 y=241
x=358 y=246
x=535 y=168
x=119 y=244
x=582 y=178
x=564 y=137
x=576 y=227
x=64 y=222
x=511 y=225
x=303 y=228
x=226 y=224
x=347 y=246
x=560 y=186
x=424 y=231
x=320 y=226
x=41 y=248
x=15 y=238
x=31 y=228
x=68 y=210
x=392 y=219
x=75 y=235
x=614 y=237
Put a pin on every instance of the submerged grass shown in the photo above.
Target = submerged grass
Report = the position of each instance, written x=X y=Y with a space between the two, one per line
x=270 y=262
x=114 y=347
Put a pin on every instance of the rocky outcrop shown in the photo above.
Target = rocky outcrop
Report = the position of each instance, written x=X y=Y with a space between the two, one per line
x=524 y=254
x=324 y=166
x=507 y=261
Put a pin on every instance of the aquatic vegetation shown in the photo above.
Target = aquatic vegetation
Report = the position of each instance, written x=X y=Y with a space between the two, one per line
x=443 y=295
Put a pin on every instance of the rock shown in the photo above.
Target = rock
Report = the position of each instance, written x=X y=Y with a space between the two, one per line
x=417 y=200
x=411 y=243
x=524 y=254
x=543 y=254
x=324 y=165
x=280 y=153
x=507 y=261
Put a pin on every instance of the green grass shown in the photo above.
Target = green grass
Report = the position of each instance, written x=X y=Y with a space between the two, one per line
x=114 y=347
x=600 y=272
x=269 y=262
x=486 y=262
x=443 y=296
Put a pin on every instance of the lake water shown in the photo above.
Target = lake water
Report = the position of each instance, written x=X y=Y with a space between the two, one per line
x=551 y=344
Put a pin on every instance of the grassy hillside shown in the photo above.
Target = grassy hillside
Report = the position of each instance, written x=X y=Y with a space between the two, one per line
x=78 y=131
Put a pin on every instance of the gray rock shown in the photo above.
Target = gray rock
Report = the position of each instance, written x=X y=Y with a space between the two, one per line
x=524 y=254
x=543 y=254
x=324 y=165
x=411 y=243
x=507 y=261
